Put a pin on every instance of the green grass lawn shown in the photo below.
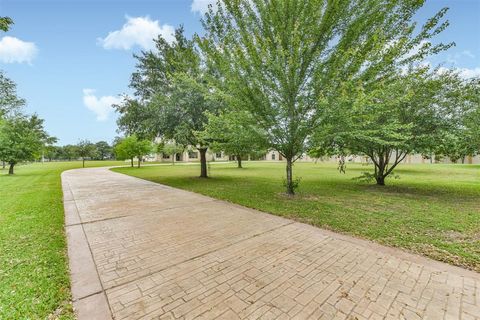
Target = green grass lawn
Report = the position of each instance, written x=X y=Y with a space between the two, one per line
x=34 y=281
x=433 y=210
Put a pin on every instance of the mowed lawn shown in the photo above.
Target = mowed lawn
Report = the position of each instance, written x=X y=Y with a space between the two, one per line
x=433 y=210
x=34 y=280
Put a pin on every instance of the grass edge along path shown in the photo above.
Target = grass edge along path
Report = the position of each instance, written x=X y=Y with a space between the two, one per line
x=34 y=276
x=432 y=210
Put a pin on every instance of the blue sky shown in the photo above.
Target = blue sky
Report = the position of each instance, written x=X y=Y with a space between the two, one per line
x=71 y=59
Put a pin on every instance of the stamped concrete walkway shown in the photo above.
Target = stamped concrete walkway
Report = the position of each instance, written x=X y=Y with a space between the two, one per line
x=140 y=250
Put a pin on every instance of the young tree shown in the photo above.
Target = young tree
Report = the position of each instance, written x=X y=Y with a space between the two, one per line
x=22 y=138
x=283 y=59
x=142 y=148
x=85 y=149
x=234 y=133
x=172 y=149
x=386 y=121
x=123 y=150
x=104 y=150
x=132 y=147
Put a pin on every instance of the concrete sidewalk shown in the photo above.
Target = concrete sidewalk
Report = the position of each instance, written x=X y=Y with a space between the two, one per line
x=140 y=250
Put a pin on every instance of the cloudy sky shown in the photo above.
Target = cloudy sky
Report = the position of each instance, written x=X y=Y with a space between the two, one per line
x=72 y=59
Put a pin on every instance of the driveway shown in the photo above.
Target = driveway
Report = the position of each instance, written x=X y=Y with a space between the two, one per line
x=140 y=250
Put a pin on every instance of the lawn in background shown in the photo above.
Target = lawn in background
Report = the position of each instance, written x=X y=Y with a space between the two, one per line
x=34 y=280
x=433 y=210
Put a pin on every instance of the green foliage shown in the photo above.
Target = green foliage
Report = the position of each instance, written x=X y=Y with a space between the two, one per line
x=5 y=23
x=132 y=147
x=171 y=95
x=172 y=149
x=284 y=61
x=10 y=103
x=234 y=133
x=85 y=149
x=103 y=150
x=22 y=138
x=386 y=120
x=34 y=275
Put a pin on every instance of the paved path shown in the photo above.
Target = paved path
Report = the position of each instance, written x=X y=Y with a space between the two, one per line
x=144 y=250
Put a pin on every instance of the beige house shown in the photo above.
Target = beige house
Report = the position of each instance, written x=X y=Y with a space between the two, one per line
x=192 y=155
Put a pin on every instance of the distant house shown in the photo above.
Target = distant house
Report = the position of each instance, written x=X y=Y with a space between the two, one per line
x=192 y=155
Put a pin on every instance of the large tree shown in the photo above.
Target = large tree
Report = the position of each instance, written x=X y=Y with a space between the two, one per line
x=283 y=59
x=171 y=96
x=22 y=138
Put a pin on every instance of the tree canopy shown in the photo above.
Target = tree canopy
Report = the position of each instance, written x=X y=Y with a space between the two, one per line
x=22 y=138
x=284 y=61
x=131 y=147
x=171 y=95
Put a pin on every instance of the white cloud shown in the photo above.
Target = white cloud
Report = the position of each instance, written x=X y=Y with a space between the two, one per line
x=100 y=106
x=469 y=73
x=463 y=72
x=201 y=6
x=468 y=53
x=460 y=56
x=15 y=50
x=137 y=31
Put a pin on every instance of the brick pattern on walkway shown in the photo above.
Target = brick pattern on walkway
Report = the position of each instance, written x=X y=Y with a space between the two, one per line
x=164 y=253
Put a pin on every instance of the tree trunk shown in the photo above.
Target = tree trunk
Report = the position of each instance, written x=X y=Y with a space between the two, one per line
x=4 y=164
x=131 y=162
x=10 y=170
x=83 y=162
x=173 y=159
x=290 y=186
x=380 y=180
x=139 y=161
x=203 y=162
x=239 y=161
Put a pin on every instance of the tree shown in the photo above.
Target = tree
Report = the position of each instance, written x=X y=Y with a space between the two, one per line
x=388 y=120
x=69 y=152
x=234 y=133
x=131 y=147
x=171 y=95
x=10 y=103
x=85 y=149
x=104 y=150
x=142 y=148
x=282 y=60
x=172 y=149
x=22 y=138
x=463 y=138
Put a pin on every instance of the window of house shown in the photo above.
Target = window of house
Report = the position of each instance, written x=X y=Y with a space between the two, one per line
x=273 y=156
x=166 y=156
x=218 y=154
x=193 y=155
